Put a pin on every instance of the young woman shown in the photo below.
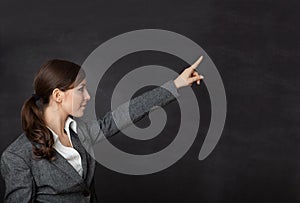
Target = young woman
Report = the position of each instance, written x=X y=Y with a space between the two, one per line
x=48 y=162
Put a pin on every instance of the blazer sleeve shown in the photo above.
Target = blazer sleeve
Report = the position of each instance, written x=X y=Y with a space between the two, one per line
x=138 y=108
x=18 y=179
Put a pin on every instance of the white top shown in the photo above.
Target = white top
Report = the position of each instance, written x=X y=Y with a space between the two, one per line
x=69 y=153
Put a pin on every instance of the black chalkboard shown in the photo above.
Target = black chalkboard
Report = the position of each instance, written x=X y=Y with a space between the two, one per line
x=253 y=43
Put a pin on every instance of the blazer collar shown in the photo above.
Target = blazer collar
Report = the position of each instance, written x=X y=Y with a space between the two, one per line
x=66 y=167
x=80 y=148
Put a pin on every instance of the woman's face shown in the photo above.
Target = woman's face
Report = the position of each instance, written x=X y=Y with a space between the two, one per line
x=76 y=99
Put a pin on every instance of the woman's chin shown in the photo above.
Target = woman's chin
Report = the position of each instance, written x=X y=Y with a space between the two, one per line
x=79 y=113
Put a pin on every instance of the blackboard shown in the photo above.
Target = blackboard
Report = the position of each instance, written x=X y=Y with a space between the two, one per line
x=255 y=46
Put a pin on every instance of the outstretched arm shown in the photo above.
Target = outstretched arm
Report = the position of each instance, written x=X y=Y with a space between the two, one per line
x=138 y=107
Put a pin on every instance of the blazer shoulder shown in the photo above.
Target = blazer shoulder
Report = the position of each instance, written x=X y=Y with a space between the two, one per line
x=21 y=147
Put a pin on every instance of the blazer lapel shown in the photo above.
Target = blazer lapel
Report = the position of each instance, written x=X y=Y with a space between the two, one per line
x=66 y=167
x=81 y=150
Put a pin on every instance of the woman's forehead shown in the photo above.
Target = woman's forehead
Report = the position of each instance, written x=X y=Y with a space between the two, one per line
x=83 y=82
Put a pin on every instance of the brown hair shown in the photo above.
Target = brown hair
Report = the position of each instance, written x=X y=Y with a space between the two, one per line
x=53 y=74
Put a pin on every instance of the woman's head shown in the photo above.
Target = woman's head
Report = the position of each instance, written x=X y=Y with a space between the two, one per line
x=61 y=86
x=62 y=83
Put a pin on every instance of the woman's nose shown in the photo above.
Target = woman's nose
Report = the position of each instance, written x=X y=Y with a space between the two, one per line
x=87 y=96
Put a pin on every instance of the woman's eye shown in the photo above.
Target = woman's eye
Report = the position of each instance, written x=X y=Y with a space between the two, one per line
x=81 y=89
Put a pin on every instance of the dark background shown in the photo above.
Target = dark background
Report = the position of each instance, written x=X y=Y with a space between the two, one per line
x=255 y=46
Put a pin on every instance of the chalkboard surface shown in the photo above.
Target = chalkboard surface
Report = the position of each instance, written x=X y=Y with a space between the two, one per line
x=255 y=46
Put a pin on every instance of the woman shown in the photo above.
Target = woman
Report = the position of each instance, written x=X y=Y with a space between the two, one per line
x=49 y=162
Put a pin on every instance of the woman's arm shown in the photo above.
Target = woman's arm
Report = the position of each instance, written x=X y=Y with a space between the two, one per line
x=19 y=183
x=136 y=108
x=141 y=105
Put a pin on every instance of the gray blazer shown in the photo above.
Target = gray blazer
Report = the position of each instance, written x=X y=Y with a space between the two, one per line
x=30 y=180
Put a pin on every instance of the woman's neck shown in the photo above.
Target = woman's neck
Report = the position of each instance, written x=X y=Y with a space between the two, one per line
x=55 y=120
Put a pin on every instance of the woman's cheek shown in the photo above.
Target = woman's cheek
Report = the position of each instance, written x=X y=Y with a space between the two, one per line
x=77 y=106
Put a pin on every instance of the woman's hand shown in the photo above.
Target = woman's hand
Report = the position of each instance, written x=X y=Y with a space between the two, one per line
x=189 y=76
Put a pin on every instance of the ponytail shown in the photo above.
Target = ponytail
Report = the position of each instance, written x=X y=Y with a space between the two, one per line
x=35 y=128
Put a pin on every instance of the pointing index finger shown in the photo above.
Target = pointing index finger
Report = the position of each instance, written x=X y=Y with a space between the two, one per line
x=197 y=62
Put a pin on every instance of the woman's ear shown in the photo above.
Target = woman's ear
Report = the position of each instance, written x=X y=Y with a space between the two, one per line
x=57 y=95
